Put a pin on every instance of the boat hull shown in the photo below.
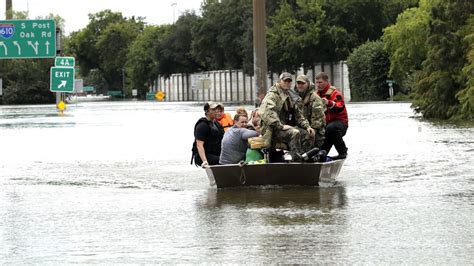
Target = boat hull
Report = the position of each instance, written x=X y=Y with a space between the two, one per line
x=303 y=174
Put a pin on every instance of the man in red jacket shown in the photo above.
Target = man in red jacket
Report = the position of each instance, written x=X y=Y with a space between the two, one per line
x=337 y=121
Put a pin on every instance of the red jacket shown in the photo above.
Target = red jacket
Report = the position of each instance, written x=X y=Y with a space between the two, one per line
x=336 y=109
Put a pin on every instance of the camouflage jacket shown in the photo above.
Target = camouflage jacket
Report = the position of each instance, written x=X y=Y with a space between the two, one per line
x=277 y=109
x=313 y=109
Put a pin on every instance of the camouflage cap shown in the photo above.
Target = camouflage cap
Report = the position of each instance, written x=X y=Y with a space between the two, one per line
x=302 y=78
x=285 y=76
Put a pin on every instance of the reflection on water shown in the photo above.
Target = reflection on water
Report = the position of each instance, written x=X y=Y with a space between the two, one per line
x=111 y=183
x=277 y=197
x=271 y=225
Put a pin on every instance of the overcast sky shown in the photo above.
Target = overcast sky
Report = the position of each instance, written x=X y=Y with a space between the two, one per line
x=75 y=12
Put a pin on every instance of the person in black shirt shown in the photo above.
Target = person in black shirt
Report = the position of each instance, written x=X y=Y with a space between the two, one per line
x=208 y=135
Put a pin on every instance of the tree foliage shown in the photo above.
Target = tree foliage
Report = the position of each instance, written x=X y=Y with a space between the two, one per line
x=300 y=33
x=466 y=95
x=294 y=36
x=142 y=62
x=441 y=80
x=405 y=42
x=368 y=68
x=103 y=46
x=26 y=81
x=174 y=47
x=222 y=36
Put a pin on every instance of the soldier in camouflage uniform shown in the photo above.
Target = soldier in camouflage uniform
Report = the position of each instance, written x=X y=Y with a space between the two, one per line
x=313 y=107
x=278 y=109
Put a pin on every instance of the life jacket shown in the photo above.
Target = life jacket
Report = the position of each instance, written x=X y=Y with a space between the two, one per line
x=226 y=121
x=339 y=111
x=211 y=145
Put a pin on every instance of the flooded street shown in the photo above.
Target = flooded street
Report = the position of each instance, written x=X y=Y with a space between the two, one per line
x=111 y=183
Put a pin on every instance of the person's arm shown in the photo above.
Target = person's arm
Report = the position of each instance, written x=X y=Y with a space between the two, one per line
x=200 y=132
x=336 y=103
x=202 y=152
x=318 y=119
x=269 y=113
x=247 y=133
x=302 y=121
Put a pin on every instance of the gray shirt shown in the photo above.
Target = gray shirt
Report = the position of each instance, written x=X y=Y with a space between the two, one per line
x=234 y=144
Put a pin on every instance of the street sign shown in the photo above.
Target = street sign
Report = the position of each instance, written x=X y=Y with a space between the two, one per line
x=64 y=61
x=27 y=39
x=78 y=86
x=62 y=79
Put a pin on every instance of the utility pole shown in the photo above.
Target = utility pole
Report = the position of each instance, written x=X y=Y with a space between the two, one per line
x=259 y=49
x=174 y=7
x=123 y=82
x=9 y=9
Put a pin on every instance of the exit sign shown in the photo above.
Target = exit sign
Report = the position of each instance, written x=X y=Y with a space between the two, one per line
x=64 y=61
x=62 y=79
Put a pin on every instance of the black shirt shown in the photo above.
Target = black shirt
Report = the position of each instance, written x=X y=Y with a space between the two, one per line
x=211 y=132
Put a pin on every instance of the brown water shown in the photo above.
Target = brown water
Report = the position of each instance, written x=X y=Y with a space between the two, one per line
x=111 y=183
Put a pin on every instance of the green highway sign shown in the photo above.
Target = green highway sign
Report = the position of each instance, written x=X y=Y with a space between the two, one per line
x=27 y=39
x=64 y=61
x=62 y=79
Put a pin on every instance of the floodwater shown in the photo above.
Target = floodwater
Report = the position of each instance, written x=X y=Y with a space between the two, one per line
x=111 y=183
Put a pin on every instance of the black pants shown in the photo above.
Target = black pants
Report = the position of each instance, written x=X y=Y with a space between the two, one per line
x=335 y=130
x=212 y=159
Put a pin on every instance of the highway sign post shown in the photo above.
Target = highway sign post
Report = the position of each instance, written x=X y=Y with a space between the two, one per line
x=27 y=39
x=390 y=88
x=62 y=79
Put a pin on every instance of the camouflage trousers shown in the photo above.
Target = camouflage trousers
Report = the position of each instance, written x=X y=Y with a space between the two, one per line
x=318 y=140
x=296 y=139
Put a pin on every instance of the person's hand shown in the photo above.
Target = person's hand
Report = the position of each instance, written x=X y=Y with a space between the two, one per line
x=311 y=131
x=286 y=127
x=325 y=101
x=205 y=164
x=331 y=104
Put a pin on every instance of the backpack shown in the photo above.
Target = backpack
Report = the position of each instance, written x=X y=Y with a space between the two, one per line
x=194 y=150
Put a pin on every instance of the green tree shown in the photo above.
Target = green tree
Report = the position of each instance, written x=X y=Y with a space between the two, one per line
x=466 y=95
x=350 y=23
x=103 y=45
x=222 y=36
x=27 y=82
x=112 y=46
x=441 y=79
x=174 y=47
x=294 y=35
x=82 y=44
x=368 y=67
x=405 y=42
x=142 y=60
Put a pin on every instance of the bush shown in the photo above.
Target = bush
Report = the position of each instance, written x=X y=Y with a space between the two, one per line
x=368 y=69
